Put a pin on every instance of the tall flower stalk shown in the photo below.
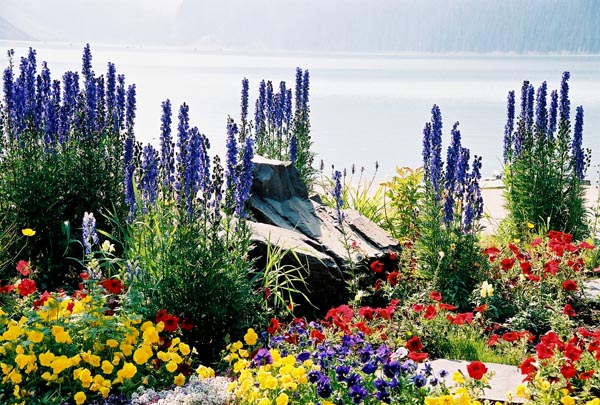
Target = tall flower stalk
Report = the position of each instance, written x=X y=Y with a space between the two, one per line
x=545 y=164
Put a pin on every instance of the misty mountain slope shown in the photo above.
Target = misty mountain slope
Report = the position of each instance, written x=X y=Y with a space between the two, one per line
x=396 y=25
x=9 y=31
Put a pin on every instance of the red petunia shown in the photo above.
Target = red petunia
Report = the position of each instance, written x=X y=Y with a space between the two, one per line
x=551 y=267
x=543 y=351
x=112 y=285
x=492 y=252
x=569 y=285
x=186 y=324
x=366 y=312
x=5 y=289
x=414 y=344
x=447 y=307
x=586 y=245
x=510 y=336
x=480 y=308
x=493 y=340
x=527 y=366
x=393 y=277
x=536 y=242
x=507 y=264
x=436 y=296
x=171 y=322
x=430 y=312
x=586 y=375
x=568 y=371
x=418 y=307
x=377 y=284
x=24 y=268
x=362 y=326
x=161 y=315
x=573 y=353
x=317 y=335
x=525 y=267
x=569 y=311
x=376 y=266
x=274 y=326
x=417 y=356
x=26 y=287
x=476 y=369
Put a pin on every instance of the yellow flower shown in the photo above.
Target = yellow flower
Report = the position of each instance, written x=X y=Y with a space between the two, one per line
x=79 y=398
x=46 y=358
x=16 y=377
x=127 y=372
x=205 y=372
x=142 y=354
x=28 y=232
x=458 y=378
x=179 y=379
x=112 y=343
x=521 y=391
x=60 y=335
x=150 y=335
x=107 y=367
x=171 y=367
x=60 y=363
x=184 y=349
x=282 y=399
x=530 y=225
x=85 y=376
x=35 y=336
x=250 y=338
x=567 y=400
x=264 y=401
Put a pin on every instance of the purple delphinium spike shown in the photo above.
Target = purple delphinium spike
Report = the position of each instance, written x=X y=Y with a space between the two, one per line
x=474 y=204
x=120 y=121
x=259 y=115
x=89 y=234
x=552 y=114
x=231 y=169
x=577 y=149
x=452 y=158
x=111 y=85
x=69 y=106
x=564 y=108
x=509 y=126
x=305 y=90
x=205 y=164
x=86 y=67
x=270 y=105
x=149 y=177
x=288 y=114
x=100 y=106
x=131 y=107
x=530 y=103
x=524 y=89
x=193 y=168
x=167 y=161
x=337 y=196
x=541 y=112
x=435 y=165
x=183 y=128
x=9 y=93
x=293 y=149
x=244 y=103
x=462 y=170
x=299 y=102
x=245 y=178
x=217 y=187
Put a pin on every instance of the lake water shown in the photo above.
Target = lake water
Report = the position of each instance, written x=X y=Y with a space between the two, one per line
x=364 y=108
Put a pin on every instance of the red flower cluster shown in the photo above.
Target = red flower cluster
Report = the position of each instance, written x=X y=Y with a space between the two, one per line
x=476 y=369
x=170 y=321
x=415 y=348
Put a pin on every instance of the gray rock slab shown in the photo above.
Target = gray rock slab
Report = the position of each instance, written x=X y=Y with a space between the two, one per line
x=506 y=378
x=591 y=289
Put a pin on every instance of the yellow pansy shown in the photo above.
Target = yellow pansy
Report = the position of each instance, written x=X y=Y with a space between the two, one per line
x=184 y=349
x=251 y=337
x=35 y=336
x=171 y=367
x=282 y=399
x=79 y=398
x=179 y=379
x=112 y=343
x=567 y=400
x=107 y=367
x=142 y=354
x=28 y=232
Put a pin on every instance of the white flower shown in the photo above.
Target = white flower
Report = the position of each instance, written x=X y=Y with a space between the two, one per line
x=400 y=353
x=487 y=290
x=108 y=247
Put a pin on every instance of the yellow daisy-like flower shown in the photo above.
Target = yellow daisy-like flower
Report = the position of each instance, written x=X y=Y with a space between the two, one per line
x=282 y=399
x=28 y=232
x=179 y=379
x=79 y=398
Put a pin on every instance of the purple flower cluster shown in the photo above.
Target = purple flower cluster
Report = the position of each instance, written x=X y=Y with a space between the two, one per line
x=149 y=176
x=337 y=195
x=564 y=108
x=510 y=125
x=577 y=149
x=34 y=102
x=89 y=234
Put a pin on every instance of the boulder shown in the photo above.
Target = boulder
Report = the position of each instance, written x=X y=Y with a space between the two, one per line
x=284 y=216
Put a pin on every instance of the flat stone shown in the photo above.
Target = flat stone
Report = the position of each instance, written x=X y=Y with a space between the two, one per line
x=506 y=378
x=591 y=289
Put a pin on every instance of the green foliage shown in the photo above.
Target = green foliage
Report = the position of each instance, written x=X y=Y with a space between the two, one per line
x=196 y=268
x=403 y=194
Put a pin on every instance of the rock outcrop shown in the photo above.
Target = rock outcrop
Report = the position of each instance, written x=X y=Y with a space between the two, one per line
x=284 y=216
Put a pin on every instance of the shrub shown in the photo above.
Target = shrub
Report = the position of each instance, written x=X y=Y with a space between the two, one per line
x=450 y=209
x=61 y=147
x=545 y=163
x=186 y=241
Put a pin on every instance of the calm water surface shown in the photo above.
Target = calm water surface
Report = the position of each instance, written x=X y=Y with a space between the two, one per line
x=364 y=108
